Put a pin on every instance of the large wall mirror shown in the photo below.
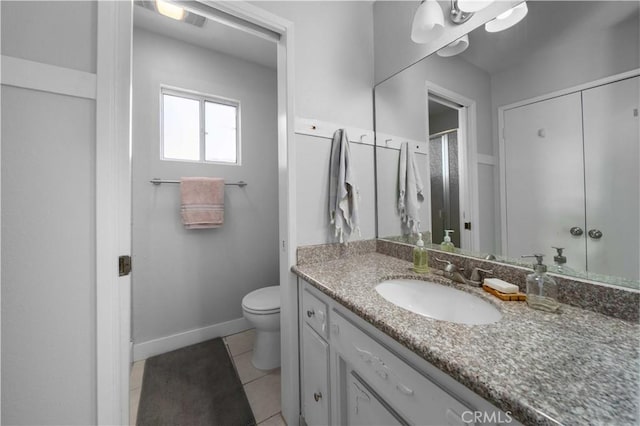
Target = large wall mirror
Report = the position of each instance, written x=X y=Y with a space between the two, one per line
x=526 y=142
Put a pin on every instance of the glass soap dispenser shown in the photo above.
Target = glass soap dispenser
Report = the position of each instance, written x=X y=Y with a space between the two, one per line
x=560 y=262
x=542 y=290
x=447 y=245
x=420 y=256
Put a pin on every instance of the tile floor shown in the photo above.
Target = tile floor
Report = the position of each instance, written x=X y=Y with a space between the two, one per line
x=261 y=386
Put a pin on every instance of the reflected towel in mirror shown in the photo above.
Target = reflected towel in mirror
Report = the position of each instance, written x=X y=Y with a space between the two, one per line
x=409 y=188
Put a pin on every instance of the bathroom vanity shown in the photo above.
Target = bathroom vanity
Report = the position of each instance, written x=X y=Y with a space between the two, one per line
x=367 y=361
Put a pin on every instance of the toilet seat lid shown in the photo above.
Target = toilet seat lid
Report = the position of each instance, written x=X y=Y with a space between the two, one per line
x=263 y=299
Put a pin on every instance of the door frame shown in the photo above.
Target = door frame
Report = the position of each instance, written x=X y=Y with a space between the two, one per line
x=501 y=140
x=468 y=156
x=113 y=204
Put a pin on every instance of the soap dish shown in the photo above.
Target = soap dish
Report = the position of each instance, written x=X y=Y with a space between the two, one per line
x=505 y=296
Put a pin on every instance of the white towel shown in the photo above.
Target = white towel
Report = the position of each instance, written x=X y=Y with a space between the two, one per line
x=409 y=188
x=343 y=191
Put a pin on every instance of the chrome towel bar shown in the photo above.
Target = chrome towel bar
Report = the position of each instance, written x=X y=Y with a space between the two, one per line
x=158 y=181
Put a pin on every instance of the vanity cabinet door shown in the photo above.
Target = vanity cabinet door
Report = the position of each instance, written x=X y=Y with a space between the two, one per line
x=612 y=178
x=315 y=378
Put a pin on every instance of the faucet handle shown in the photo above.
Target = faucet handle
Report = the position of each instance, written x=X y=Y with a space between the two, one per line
x=476 y=275
x=450 y=267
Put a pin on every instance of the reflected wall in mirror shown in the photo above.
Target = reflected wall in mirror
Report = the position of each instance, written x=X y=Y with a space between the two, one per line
x=526 y=141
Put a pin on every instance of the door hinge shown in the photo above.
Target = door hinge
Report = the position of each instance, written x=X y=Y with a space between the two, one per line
x=124 y=265
x=467 y=225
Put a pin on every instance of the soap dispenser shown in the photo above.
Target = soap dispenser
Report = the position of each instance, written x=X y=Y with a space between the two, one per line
x=420 y=256
x=447 y=245
x=560 y=262
x=542 y=290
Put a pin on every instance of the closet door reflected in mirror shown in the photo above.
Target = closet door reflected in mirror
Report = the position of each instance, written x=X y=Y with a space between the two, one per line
x=612 y=180
x=572 y=180
x=544 y=175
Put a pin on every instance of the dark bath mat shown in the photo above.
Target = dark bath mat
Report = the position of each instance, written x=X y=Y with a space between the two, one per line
x=196 y=385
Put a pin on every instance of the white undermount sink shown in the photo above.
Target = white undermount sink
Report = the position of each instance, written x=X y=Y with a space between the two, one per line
x=438 y=301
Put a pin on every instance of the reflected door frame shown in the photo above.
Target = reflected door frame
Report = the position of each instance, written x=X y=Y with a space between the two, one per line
x=468 y=163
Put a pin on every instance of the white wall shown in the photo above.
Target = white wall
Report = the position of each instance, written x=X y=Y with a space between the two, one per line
x=333 y=48
x=48 y=223
x=190 y=279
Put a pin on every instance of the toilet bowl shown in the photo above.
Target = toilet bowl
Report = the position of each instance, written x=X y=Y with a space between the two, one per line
x=262 y=309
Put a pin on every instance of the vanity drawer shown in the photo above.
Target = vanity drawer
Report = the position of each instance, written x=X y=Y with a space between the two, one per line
x=314 y=312
x=406 y=390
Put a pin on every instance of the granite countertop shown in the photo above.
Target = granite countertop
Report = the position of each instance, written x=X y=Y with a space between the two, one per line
x=571 y=367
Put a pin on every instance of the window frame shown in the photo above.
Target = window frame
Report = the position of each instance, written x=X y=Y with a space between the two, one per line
x=202 y=98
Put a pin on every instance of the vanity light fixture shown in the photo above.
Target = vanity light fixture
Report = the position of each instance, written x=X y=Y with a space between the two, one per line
x=458 y=46
x=472 y=5
x=507 y=19
x=428 y=22
x=457 y=15
x=170 y=10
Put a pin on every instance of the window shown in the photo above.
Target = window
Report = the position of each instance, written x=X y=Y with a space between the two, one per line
x=199 y=128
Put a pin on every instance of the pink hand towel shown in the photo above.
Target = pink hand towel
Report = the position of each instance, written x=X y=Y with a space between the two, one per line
x=202 y=201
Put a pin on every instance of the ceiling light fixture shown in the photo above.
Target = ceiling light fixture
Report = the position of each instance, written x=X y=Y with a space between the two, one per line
x=457 y=47
x=473 y=5
x=457 y=15
x=428 y=22
x=507 y=19
x=170 y=10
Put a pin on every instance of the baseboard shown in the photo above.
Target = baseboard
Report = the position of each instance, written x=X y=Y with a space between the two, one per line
x=159 y=346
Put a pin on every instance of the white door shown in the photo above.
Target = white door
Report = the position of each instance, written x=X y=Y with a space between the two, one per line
x=545 y=179
x=612 y=179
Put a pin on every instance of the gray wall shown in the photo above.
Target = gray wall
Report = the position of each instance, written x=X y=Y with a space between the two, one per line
x=400 y=111
x=48 y=223
x=190 y=279
x=333 y=82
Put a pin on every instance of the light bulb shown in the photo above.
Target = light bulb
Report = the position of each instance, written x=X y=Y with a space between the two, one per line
x=428 y=22
x=170 y=10
x=473 y=5
x=507 y=19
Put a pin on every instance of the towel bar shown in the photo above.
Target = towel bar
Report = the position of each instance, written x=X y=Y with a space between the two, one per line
x=158 y=181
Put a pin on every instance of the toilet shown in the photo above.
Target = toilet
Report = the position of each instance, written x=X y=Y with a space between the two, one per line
x=261 y=308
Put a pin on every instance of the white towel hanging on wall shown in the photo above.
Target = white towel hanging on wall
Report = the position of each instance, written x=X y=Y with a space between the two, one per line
x=343 y=190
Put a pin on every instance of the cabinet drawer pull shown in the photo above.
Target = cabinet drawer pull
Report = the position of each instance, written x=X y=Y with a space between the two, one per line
x=403 y=389
x=310 y=313
x=364 y=355
x=383 y=374
x=335 y=329
x=317 y=396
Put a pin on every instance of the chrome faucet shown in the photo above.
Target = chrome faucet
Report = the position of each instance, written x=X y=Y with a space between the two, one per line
x=477 y=276
x=452 y=272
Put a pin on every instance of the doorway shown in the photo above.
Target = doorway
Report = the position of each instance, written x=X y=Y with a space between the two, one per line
x=113 y=366
x=452 y=167
x=444 y=170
